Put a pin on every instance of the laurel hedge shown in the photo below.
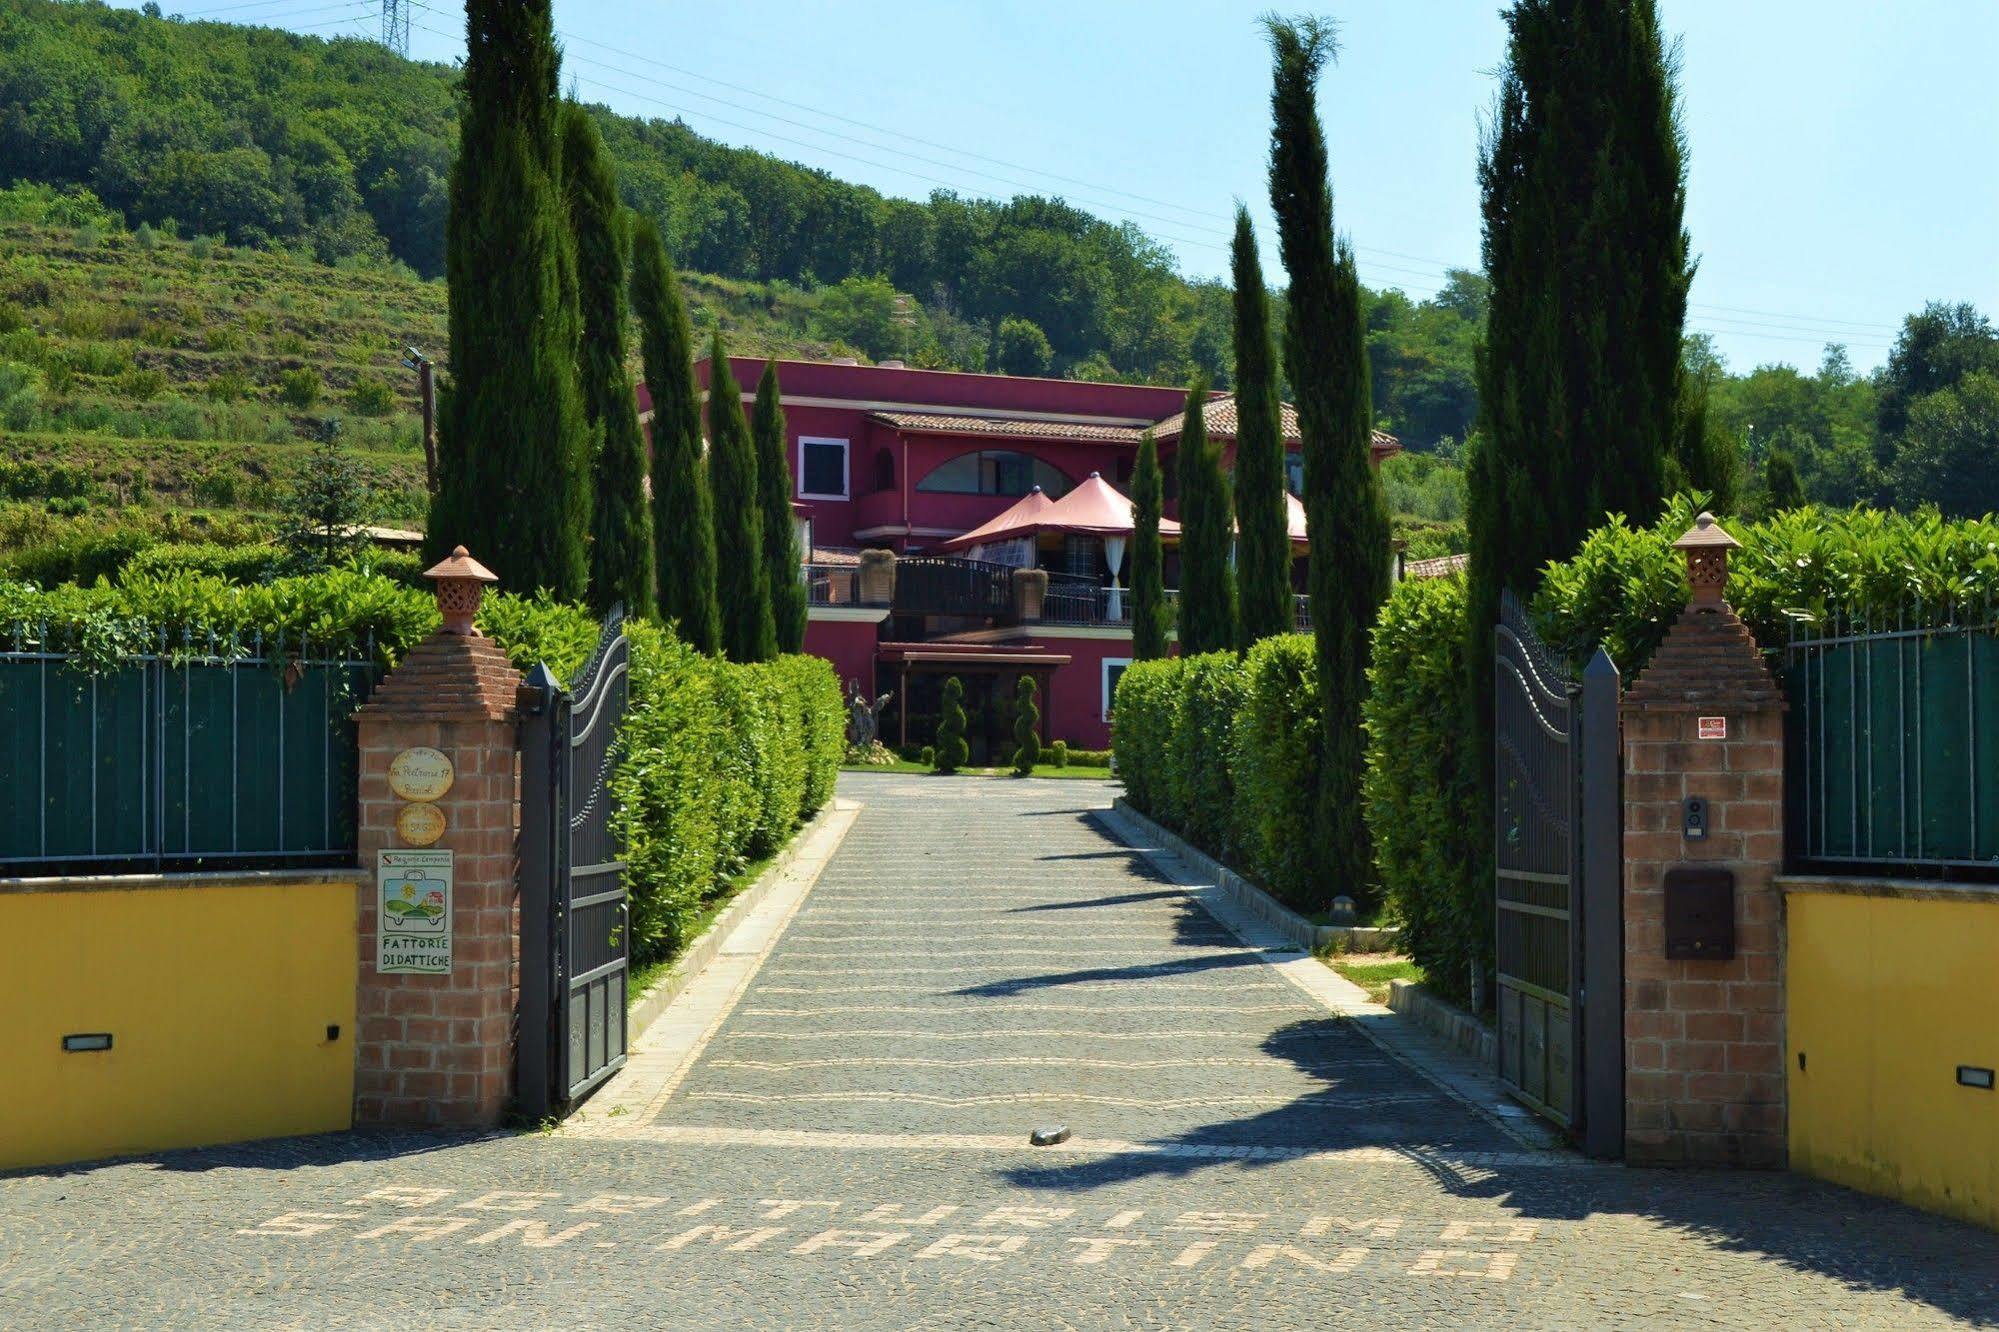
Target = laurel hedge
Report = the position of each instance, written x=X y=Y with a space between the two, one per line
x=717 y=762
x=1223 y=750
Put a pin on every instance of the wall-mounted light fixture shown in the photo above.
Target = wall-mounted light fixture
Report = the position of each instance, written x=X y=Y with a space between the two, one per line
x=86 y=1040
x=1981 y=1078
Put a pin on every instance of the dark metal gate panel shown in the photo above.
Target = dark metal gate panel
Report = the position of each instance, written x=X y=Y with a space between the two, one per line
x=575 y=912
x=1558 y=855
x=1536 y=796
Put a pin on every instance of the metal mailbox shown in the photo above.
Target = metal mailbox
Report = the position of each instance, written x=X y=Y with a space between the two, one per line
x=1700 y=913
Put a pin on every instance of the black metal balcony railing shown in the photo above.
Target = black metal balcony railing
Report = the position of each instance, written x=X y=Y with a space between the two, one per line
x=941 y=585
x=973 y=589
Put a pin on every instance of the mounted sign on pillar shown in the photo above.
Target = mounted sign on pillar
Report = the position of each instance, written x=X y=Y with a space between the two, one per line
x=1703 y=843
x=438 y=922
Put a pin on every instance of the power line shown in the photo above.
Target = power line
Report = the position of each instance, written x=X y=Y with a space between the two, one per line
x=263 y=4
x=1795 y=328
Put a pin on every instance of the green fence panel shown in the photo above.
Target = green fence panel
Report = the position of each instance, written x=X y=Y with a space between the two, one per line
x=1893 y=747
x=169 y=762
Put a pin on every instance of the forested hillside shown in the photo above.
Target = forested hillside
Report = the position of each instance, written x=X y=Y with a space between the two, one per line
x=340 y=149
x=296 y=153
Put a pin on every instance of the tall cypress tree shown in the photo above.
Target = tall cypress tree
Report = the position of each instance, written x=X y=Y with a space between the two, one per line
x=1579 y=375
x=1207 y=587
x=620 y=526
x=513 y=436
x=748 y=630
x=1325 y=358
x=782 y=558
x=1148 y=574
x=683 y=516
x=1263 y=541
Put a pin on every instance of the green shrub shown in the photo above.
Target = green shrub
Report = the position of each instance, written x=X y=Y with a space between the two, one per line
x=371 y=396
x=1058 y=753
x=1088 y=758
x=952 y=751
x=927 y=756
x=1431 y=835
x=298 y=388
x=1277 y=752
x=241 y=565
x=1211 y=691
x=1026 y=728
x=1139 y=736
x=229 y=386
x=142 y=385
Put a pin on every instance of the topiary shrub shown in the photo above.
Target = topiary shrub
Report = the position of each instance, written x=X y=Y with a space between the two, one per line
x=1058 y=753
x=1026 y=728
x=927 y=756
x=1431 y=834
x=951 y=748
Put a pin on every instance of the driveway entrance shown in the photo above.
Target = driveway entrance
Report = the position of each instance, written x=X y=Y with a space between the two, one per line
x=843 y=1143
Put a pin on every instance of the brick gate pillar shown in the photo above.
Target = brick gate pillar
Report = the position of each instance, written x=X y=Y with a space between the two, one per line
x=439 y=773
x=1703 y=980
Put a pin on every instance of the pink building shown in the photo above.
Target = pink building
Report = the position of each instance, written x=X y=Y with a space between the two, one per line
x=920 y=463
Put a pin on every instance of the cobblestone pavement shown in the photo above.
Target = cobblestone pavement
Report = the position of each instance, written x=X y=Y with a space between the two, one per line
x=849 y=1150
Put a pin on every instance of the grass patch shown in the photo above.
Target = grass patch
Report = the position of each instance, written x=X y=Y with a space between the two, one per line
x=1373 y=971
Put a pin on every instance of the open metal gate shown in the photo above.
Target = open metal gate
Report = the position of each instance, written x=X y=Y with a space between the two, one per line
x=1558 y=932
x=575 y=915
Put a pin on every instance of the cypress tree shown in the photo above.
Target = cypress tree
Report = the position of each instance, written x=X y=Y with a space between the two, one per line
x=1325 y=359
x=1263 y=541
x=1026 y=728
x=1148 y=576
x=621 y=552
x=1207 y=587
x=1781 y=490
x=782 y=558
x=513 y=436
x=683 y=519
x=1582 y=392
x=748 y=631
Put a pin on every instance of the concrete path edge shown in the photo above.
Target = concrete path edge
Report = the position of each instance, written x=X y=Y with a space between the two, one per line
x=1457 y=1075
x=659 y=996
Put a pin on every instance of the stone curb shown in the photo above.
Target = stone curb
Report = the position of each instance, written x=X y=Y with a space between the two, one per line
x=1447 y=1022
x=1472 y=1084
x=1312 y=938
x=659 y=996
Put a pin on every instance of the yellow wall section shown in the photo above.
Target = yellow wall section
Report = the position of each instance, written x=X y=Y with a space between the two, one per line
x=217 y=998
x=1887 y=996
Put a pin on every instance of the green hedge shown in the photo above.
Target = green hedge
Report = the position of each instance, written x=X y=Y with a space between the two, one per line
x=1223 y=750
x=1623 y=589
x=717 y=763
x=1431 y=839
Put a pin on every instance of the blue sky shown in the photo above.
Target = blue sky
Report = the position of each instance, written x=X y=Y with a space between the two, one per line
x=1844 y=153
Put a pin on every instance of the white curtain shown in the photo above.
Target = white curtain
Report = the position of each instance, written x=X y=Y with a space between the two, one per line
x=1114 y=557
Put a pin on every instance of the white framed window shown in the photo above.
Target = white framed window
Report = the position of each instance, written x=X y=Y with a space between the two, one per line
x=822 y=468
x=1113 y=668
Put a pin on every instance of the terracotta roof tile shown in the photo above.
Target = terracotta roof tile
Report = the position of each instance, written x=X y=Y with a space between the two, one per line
x=1009 y=426
x=1442 y=566
x=1220 y=416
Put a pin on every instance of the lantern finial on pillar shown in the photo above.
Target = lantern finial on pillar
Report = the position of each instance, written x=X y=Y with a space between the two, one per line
x=1707 y=547
x=460 y=584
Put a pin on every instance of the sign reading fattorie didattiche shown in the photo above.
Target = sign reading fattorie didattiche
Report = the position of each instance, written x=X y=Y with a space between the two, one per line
x=413 y=912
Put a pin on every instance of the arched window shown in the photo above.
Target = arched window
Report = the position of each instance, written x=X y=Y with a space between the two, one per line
x=996 y=472
x=884 y=470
